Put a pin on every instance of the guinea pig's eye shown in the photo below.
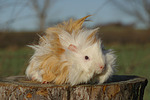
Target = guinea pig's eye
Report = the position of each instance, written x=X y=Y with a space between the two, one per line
x=87 y=58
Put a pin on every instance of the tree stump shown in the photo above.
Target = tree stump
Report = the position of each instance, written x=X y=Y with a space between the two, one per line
x=120 y=87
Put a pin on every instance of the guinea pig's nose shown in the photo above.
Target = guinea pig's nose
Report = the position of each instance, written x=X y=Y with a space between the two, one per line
x=101 y=67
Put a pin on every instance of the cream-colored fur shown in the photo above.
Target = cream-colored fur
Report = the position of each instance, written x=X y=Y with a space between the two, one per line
x=60 y=56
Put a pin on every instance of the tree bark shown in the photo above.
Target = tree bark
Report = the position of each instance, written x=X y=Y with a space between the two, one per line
x=120 y=87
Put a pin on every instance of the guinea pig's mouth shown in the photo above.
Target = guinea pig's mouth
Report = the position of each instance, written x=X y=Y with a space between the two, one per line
x=103 y=71
x=105 y=68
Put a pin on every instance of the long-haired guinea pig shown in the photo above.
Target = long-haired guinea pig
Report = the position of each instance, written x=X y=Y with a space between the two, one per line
x=71 y=54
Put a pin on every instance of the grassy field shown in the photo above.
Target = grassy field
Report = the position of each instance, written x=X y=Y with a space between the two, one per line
x=131 y=60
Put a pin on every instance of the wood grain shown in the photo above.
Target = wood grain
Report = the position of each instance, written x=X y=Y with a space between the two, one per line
x=120 y=87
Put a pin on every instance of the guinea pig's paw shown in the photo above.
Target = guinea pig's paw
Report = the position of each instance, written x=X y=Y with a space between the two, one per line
x=44 y=82
x=33 y=79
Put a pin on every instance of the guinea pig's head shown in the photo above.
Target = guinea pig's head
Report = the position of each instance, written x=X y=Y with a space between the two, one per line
x=87 y=58
x=83 y=52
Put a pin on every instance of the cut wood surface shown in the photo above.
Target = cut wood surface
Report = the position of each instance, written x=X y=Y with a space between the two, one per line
x=120 y=87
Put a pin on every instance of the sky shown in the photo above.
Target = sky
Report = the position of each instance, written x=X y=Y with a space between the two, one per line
x=22 y=16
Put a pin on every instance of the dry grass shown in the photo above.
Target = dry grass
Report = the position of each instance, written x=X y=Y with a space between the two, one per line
x=109 y=35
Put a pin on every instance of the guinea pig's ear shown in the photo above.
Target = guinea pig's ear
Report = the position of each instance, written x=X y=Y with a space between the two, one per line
x=72 y=47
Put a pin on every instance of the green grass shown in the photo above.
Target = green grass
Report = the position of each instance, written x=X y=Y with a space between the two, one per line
x=134 y=60
x=14 y=62
x=131 y=60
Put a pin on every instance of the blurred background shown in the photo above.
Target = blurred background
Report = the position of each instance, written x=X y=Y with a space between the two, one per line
x=124 y=27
